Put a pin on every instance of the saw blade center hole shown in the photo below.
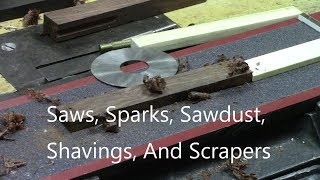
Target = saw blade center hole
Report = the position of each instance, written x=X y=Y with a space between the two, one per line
x=134 y=66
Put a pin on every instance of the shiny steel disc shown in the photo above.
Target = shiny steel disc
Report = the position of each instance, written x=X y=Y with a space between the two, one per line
x=106 y=67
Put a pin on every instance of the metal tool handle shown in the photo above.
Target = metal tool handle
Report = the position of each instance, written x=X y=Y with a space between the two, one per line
x=115 y=45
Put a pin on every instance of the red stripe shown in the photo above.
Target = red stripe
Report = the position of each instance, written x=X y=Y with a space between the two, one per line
x=316 y=16
x=50 y=91
x=201 y=47
x=185 y=135
x=88 y=80
x=236 y=37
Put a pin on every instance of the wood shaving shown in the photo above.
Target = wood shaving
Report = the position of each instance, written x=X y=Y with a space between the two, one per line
x=31 y=18
x=237 y=66
x=11 y=164
x=155 y=84
x=198 y=96
x=238 y=167
x=13 y=122
x=42 y=97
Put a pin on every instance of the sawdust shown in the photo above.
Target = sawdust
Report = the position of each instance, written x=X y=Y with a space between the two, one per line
x=198 y=96
x=184 y=65
x=10 y=164
x=31 y=18
x=13 y=122
x=155 y=84
x=42 y=97
x=238 y=167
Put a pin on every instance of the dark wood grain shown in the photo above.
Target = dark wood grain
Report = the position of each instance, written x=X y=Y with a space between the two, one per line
x=103 y=14
x=207 y=79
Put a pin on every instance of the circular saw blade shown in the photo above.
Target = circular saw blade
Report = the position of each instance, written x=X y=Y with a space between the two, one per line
x=107 y=67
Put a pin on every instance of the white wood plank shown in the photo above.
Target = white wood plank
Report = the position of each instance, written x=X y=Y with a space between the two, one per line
x=285 y=60
x=197 y=34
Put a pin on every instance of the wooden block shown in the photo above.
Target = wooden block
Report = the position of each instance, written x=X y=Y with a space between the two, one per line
x=207 y=79
x=197 y=34
x=285 y=60
x=96 y=16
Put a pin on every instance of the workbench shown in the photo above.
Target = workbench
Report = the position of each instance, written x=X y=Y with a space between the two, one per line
x=273 y=94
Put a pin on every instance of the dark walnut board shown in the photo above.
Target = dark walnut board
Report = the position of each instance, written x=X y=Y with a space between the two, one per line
x=206 y=79
x=103 y=14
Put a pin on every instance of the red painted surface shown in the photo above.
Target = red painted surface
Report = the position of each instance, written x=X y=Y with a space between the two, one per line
x=316 y=16
x=178 y=137
x=50 y=91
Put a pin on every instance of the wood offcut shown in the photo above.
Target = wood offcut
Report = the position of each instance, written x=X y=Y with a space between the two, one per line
x=103 y=14
x=207 y=79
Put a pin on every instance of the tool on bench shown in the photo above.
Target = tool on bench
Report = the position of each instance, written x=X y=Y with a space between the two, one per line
x=126 y=43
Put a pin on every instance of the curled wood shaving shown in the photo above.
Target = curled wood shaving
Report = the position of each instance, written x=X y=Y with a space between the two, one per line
x=13 y=122
x=42 y=97
x=11 y=164
x=198 y=96
x=237 y=65
x=238 y=167
x=31 y=18
x=155 y=84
